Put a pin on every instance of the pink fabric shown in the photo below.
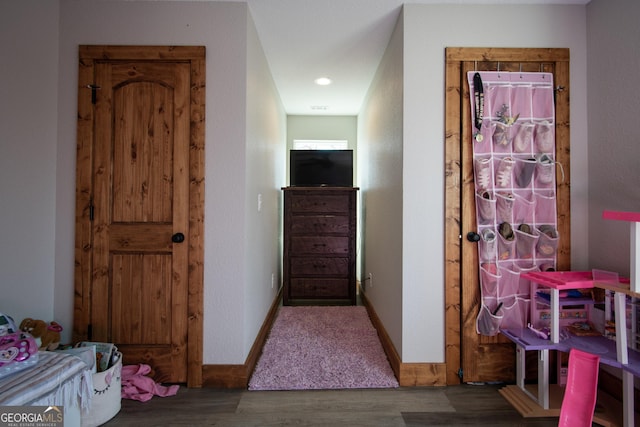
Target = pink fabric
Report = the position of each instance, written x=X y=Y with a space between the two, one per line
x=136 y=386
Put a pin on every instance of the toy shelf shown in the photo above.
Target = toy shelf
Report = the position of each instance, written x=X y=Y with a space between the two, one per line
x=620 y=292
x=562 y=279
x=633 y=218
x=605 y=348
x=622 y=216
x=556 y=281
x=627 y=358
x=572 y=310
x=616 y=354
x=526 y=340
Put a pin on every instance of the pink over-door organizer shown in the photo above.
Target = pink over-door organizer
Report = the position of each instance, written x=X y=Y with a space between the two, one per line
x=515 y=190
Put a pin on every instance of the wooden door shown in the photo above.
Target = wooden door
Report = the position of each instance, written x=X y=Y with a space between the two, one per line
x=470 y=356
x=140 y=211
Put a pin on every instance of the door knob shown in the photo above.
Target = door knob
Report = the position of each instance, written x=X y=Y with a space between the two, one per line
x=177 y=238
x=472 y=236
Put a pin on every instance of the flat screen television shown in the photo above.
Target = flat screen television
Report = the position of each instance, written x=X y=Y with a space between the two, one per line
x=320 y=168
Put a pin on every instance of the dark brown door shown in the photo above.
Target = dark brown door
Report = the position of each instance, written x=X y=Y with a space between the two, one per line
x=470 y=356
x=140 y=212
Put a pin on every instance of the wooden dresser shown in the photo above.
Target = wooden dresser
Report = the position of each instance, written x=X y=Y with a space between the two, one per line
x=319 y=254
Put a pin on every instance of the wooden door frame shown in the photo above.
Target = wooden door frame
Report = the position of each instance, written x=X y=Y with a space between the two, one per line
x=455 y=136
x=88 y=56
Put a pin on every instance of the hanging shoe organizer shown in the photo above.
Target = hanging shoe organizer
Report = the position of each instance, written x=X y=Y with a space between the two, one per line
x=515 y=190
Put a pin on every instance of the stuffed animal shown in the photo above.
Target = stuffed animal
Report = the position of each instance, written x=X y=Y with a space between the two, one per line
x=47 y=336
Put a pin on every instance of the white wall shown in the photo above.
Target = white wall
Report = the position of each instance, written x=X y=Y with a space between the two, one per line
x=428 y=30
x=322 y=127
x=614 y=135
x=380 y=166
x=28 y=127
x=265 y=175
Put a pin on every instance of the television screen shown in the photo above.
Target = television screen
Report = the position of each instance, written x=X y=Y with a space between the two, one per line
x=314 y=168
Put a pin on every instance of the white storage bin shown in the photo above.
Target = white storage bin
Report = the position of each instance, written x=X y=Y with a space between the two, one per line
x=107 y=392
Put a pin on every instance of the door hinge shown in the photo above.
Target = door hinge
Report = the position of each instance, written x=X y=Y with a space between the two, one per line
x=93 y=88
x=89 y=332
x=91 y=210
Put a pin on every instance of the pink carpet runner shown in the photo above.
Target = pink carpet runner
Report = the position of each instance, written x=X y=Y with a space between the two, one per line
x=315 y=348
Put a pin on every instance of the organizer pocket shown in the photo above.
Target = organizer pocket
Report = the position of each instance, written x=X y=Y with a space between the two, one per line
x=521 y=100
x=482 y=138
x=545 y=172
x=504 y=172
x=488 y=245
x=509 y=281
x=525 y=244
x=523 y=137
x=501 y=135
x=544 y=137
x=497 y=99
x=489 y=282
x=486 y=207
x=524 y=171
x=548 y=241
x=524 y=285
x=545 y=207
x=483 y=169
x=506 y=248
x=540 y=96
x=504 y=207
x=515 y=313
x=488 y=323
x=524 y=208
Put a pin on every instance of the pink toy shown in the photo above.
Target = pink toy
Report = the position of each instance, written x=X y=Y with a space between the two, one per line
x=16 y=347
x=580 y=394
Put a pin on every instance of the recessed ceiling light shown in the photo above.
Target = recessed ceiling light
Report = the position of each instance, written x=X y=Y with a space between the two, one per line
x=323 y=81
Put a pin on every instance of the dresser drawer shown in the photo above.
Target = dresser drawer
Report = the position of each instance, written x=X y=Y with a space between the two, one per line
x=318 y=288
x=319 y=266
x=321 y=245
x=319 y=224
x=309 y=203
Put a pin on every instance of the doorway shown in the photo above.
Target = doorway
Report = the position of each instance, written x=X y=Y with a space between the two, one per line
x=471 y=357
x=140 y=205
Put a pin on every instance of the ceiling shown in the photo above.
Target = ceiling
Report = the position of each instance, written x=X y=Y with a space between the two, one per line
x=340 y=39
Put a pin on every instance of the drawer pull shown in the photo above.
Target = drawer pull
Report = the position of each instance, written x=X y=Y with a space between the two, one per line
x=319 y=245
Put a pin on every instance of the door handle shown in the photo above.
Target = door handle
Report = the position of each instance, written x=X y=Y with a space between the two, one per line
x=472 y=236
x=177 y=238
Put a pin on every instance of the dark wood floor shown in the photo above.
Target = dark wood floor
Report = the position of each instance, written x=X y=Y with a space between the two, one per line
x=464 y=405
